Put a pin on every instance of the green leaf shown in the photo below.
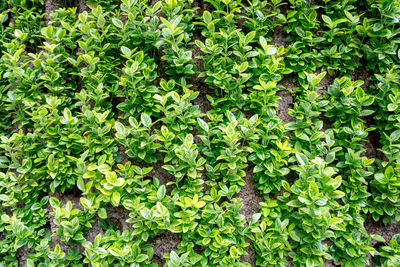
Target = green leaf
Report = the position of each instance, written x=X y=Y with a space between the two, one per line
x=255 y=217
x=173 y=256
x=203 y=125
x=337 y=194
x=89 y=174
x=366 y=112
x=121 y=130
x=300 y=31
x=167 y=24
x=316 y=80
x=202 y=232
x=243 y=67
x=263 y=42
x=395 y=135
x=119 y=182
x=126 y=51
x=207 y=18
x=378 y=238
x=115 y=198
x=360 y=94
x=250 y=36
x=302 y=159
x=141 y=258
x=146 y=120
x=271 y=50
x=293 y=234
x=389 y=172
x=294 y=203
x=118 y=23
x=67 y=114
x=54 y=202
x=327 y=20
x=115 y=252
x=92 y=5
x=86 y=203
x=145 y=212
x=101 y=21
x=234 y=252
x=330 y=157
x=309 y=263
x=391 y=107
x=380 y=178
x=104 y=168
x=111 y=177
x=161 y=192
x=313 y=190
x=161 y=209
x=4 y=197
x=367 y=100
x=102 y=213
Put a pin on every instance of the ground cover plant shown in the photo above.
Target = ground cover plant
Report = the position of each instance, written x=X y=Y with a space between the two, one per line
x=200 y=133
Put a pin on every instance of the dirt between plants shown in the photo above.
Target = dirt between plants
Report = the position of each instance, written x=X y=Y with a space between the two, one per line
x=76 y=204
x=167 y=241
x=251 y=198
x=49 y=7
x=385 y=230
x=250 y=195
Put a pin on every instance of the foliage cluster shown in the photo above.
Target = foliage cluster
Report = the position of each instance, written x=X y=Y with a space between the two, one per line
x=100 y=102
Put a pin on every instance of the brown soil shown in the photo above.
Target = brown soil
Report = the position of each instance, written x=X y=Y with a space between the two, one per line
x=250 y=196
x=361 y=74
x=196 y=5
x=82 y=6
x=202 y=102
x=324 y=83
x=55 y=240
x=196 y=53
x=370 y=150
x=49 y=7
x=119 y=215
x=385 y=230
x=251 y=255
x=198 y=83
x=157 y=260
x=21 y=255
x=165 y=243
x=163 y=175
x=286 y=99
x=285 y=103
x=329 y=264
x=154 y=1
x=94 y=231
x=121 y=151
x=279 y=37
